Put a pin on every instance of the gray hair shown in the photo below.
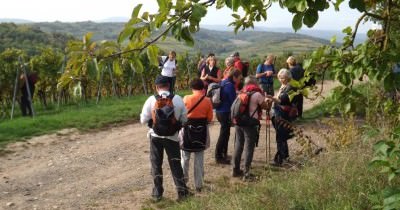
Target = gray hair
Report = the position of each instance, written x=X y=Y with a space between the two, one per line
x=285 y=73
x=250 y=80
x=229 y=61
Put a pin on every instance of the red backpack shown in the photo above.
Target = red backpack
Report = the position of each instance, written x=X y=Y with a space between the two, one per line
x=240 y=110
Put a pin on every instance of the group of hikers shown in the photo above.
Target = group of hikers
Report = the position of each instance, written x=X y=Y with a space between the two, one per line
x=180 y=126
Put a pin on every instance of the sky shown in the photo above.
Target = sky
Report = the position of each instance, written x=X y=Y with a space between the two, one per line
x=95 y=10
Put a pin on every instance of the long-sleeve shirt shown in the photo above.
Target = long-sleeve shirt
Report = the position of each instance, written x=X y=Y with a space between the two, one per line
x=203 y=110
x=179 y=111
x=228 y=95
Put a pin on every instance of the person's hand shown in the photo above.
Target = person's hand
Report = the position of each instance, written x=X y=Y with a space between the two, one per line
x=269 y=73
x=204 y=77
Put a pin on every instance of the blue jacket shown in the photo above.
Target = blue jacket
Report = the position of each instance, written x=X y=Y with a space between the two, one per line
x=228 y=95
x=261 y=68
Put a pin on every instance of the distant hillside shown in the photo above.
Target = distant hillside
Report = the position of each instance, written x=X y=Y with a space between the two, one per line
x=249 y=43
x=29 y=38
x=14 y=20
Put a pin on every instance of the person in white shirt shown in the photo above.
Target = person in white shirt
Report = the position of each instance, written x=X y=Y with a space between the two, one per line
x=168 y=143
x=169 y=69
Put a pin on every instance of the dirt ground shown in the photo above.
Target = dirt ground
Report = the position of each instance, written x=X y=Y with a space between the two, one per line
x=102 y=169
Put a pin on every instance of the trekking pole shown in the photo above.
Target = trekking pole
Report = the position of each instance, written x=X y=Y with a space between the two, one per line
x=268 y=137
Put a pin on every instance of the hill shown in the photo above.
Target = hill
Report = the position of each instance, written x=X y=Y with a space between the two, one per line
x=29 y=38
x=249 y=43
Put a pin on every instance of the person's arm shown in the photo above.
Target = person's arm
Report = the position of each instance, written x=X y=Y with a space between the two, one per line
x=259 y=72
x=210 y=110
x=203 y=75
x=178 y=102
x=145 y=115
x=231 y=93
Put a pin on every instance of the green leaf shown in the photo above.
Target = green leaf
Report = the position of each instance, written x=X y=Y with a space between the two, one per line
x=162 y=5
x=152 y=54
x=301 y=5
x=185 y=34
x=235 y=5
x=347 y=30
x=357 y=4
x=236 y=16
x=125 y=33
x=137 y=65
x=347 y=108
x=228 y=3
x=136 y=10
x=333 y=40
x=145 y=16
x=297 y=21
x=310 y=17
x=320 y=5
x=117 y=68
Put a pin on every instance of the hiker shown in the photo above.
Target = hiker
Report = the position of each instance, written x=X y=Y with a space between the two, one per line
x=211 y=73
x=247 y=128
x=265 y=74
x=283 y=110
x=26 y=102
x=297 y=74
x=228 y=95
x=237 y=62
x=229 y=62
x=169 y=69
x=200 y=65
x=195 y=137
x=164 y=113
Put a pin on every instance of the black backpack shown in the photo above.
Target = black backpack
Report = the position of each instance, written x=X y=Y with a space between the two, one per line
x=163 y=116
x=195 y=133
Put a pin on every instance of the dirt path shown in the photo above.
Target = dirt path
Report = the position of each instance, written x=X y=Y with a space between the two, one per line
x=106 y=169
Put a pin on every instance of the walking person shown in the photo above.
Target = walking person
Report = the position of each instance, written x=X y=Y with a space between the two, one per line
x=211 y=73
x=283 y=110
x=228 y=95
x=247 y=129
x=297 y=74
x=26 y=101
x=164 y=113
x=195 y=137
x=169 y=69
x=265 y=74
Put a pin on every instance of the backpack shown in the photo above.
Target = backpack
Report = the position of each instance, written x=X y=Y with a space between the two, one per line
x=214 y=93
x=246 y=67
x=163 y=116
x=240 y=110
x=161 y=62
x=195 y=133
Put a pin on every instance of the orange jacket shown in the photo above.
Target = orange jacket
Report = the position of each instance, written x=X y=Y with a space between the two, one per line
x=203 y=110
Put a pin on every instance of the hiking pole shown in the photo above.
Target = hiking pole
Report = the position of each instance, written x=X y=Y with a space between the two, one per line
x=268 y=137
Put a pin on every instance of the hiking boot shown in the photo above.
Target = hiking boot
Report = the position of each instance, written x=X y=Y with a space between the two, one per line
x=223 y=161
x=275 y=164
x=198 y=189
x=182 y=197
x=156 y=198
x=236 y=173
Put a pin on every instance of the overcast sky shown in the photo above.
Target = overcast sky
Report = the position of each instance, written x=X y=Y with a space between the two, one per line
x=83 y=10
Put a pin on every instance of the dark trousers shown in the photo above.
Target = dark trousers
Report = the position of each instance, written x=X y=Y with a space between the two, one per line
x=172 y=81
x=25 y=106
x=157 y=146
x=299 y=104
x=268 y=88
x=221 y=149
x=282 y=135
x=246 y=137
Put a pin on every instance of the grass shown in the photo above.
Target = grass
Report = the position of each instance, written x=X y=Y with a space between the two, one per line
x=85 y=116
x=339 y=180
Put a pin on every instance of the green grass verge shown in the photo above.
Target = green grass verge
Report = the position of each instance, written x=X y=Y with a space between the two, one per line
x=340 y=180
x=83 y=117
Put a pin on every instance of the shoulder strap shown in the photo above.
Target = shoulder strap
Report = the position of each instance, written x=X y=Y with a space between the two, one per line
x=191 y=109
x=248 y=104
